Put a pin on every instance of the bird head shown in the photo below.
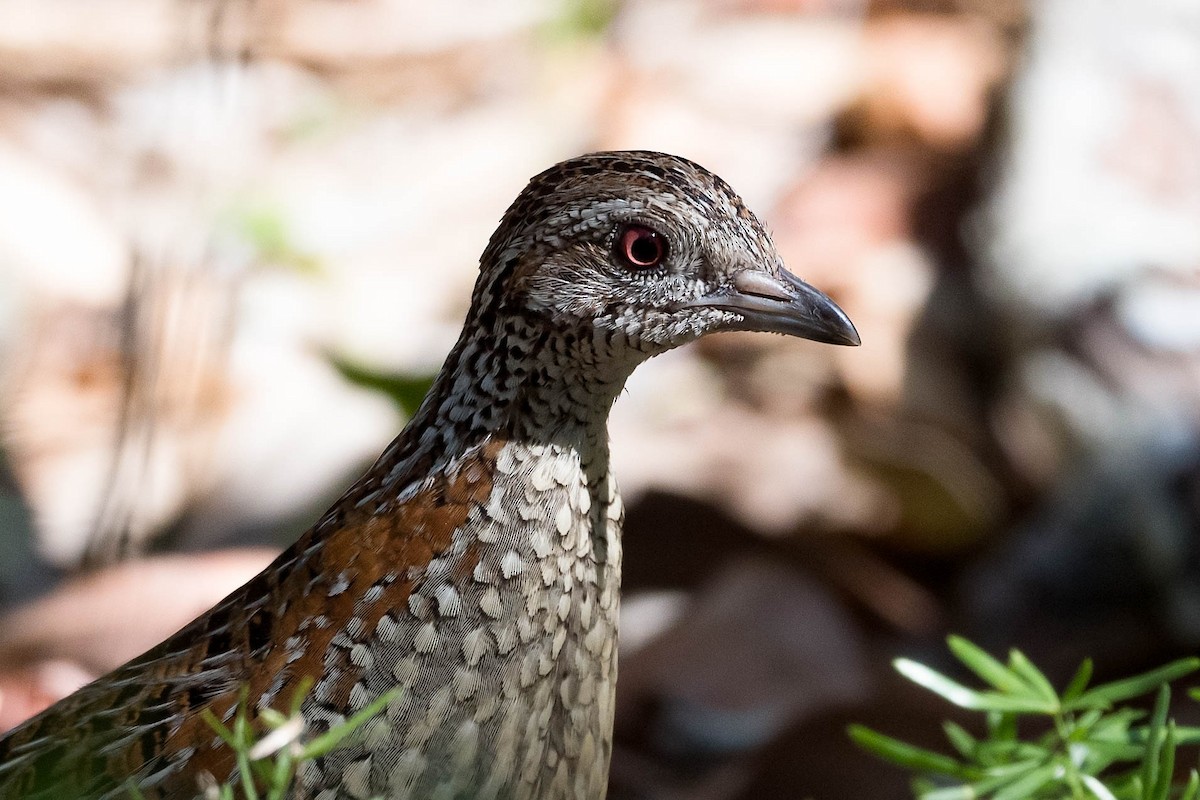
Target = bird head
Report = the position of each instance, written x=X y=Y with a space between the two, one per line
x=644 y=251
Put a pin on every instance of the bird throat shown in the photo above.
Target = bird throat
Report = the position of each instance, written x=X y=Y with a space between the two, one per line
x=520 y=379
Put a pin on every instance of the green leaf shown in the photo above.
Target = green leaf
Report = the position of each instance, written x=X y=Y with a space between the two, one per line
x=1115 y=691
x=986 y=667
x=281 y=777
x=1102 y=753
x=1184 y=734
x=334 y=736
x=996 y=756
x=1029 y=785
x=950 y=793
x=302 y=689
x=1192 y=788
x=243 y=761
x=1033 y=676
x=1084 y=723
x=1117 y=723
x=272 y=717
x=1097 y=788
x=267 y=230
x=260 y=767
x=962 y=741
x=582 y=19
x=1002 y=727
x=405 y=391
x=961 y=696
x=1154 y=740
x=904 y=754
x=248 y=787
x=211 y=720
x=1078 y=682
x=1187 y=734
x=1166 y=765
x=1004 y=774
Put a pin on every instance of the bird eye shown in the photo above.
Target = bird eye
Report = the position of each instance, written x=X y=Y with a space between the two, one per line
x=640 y=247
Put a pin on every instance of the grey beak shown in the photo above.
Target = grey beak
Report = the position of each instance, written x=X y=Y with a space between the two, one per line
x=782 y=304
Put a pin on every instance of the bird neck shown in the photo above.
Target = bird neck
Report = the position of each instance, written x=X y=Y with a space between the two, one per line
x=518 y=380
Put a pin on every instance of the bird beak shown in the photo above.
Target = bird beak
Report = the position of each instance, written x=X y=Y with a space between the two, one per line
x=782 y=304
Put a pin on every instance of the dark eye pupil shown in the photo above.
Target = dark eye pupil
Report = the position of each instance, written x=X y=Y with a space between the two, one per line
x=641 y=247
x=644 y=249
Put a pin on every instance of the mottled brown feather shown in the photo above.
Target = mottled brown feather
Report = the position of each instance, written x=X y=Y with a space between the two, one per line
x=363 y=547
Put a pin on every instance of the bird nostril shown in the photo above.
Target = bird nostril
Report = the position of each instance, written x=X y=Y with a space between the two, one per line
x=760 y=284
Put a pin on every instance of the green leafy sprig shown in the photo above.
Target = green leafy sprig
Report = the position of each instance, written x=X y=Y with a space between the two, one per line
x=267 y=762
x=1093 y=748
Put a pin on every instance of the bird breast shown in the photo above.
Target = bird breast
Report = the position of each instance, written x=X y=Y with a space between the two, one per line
x=505 y=648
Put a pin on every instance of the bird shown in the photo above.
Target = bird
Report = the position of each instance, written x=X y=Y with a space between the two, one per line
x=477 y=564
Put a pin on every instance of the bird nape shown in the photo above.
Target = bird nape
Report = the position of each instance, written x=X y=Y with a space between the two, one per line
x=476 y=565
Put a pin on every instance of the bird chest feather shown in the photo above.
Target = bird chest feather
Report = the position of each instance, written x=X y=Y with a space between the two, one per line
x=505 y=646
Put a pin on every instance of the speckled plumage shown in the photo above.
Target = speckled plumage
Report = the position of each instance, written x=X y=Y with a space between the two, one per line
x=477 y=564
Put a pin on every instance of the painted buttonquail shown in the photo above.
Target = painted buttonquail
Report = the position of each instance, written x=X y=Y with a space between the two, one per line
x=478 y=563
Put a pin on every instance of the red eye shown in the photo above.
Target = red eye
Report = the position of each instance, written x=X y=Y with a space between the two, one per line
x=640 y=247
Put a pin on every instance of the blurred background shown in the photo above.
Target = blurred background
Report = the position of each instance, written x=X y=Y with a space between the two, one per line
x=237 y=238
